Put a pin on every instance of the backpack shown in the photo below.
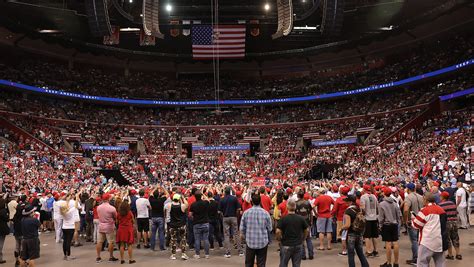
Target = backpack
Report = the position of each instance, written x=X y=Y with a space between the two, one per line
x=358 y=225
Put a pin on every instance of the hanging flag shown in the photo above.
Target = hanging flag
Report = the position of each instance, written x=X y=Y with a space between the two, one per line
x=223 y=41
x=254 y=28
x=174 y=31
x=146 y=40
x=114 y=37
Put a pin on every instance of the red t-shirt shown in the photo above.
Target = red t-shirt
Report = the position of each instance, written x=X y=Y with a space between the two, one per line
x=323 y=204
x=340 y=206
x=191 y=200
x=283 y=209
x=266 y=202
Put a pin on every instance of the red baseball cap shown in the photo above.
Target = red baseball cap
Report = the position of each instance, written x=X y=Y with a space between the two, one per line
x=387 y=191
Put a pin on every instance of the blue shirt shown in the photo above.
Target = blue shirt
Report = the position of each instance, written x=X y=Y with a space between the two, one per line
x=256 y=226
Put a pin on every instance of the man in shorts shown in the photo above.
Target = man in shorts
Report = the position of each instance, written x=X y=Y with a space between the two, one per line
x=30 y=244
x=369 y=206
x=322 y=205
x=390 y=217
x=107 y=215
x=143 y=219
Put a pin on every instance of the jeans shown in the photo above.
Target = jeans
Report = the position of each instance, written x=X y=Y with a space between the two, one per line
x=82 y=225
x=251 y=254
x=157 y=224
x=190 y=234
x=230 y=228
x=413 y=234
x=355 y=245
x=215 y=231
x=293 y=253
x=2 y=241
x=201 y=233
x=309 y=245
x=58 y=226
x=425 y=255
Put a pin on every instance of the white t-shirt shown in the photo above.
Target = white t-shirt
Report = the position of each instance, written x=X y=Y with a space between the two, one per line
x=142 y=208
x=461 y=193
x=69 y=219
x=57 y=210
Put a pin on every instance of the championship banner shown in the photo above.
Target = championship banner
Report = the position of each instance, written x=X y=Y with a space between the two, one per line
x=335 y=142
x=146 y=40
x=105 y=148
x=114 y=38
x=221 y=148
x=174 y=31
x=254 y=27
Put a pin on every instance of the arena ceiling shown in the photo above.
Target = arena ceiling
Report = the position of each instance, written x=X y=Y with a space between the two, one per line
x=66 y=22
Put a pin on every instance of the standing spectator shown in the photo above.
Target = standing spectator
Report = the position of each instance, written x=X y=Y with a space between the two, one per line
x=303 y=208
x=157 y=203
x=266 y=200
x=291 y=231
x=69 y=213
x=338 y=211
x=125 y=235
x=214 y=222
x=323 y=205
x=354 y=237
x=107 y=215
x=177 y=225
x=30 y=244
x=451 y=226
x=369 y=206
x=390 y=220
x=461 y=203
x=431 y=221
x=413 y=204
x=11 y=211
x=189 y=221
x=199 y=212
x=230 y=208
x=17 y=227
x=143 y=219
x=57 y=217
x=256 y=226
x=4 y=229
x=89 y=217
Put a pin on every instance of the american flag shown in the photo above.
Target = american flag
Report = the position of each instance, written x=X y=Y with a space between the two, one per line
x=225 y=41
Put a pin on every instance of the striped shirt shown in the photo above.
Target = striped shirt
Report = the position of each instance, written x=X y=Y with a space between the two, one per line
x=431 y=220
x=450 y=208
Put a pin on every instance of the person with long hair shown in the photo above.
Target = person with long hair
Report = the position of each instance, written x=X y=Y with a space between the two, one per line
x=69 y=213
x=125 y=235
x=4 y=229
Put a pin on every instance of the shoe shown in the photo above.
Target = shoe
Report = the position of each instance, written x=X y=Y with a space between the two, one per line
x=98 y=260
x=184 y=257
x=3 y=261
x=458 y=257
x=369 y=255
x=342 y=253
x=78 y=245
x=122 y=262
x=147 y=246
x=449 y=257
x=206 y=257
x=395 y=265
x=411 y=262
x=132 y=261
x=173 y=257
x=241 y=254
x=227 y=255
x=71 y=258
x=386 y=265
x=375 y=253
x=65 y=258
x=138 y=246
x=197 y=257
x=113 y=259
x=304 y=258
x=311 y=258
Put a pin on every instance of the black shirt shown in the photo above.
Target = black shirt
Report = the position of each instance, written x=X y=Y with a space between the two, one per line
x=157 y=206
x=352 y=212
x=176 y=216
x=29 y=227
x=292 y=227
x=303 y=208
x=213 y=210
x=200 y=210
x=229 y=206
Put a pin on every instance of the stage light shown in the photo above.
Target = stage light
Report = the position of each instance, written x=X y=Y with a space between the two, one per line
x=169 y=8
x=130 y=1
x=267 y=7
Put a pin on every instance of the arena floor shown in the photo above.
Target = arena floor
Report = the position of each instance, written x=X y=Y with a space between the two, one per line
x=51 y=255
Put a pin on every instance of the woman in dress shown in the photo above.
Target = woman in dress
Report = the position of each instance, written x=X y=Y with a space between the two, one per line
x=125 y=231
